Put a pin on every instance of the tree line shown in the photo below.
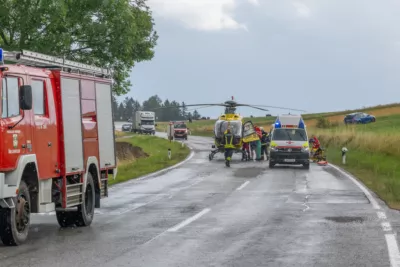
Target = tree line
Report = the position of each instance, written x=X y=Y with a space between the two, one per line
x=114 y=34
x=165 y=110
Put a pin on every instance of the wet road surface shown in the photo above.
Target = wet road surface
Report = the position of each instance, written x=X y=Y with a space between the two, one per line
x=204 y=214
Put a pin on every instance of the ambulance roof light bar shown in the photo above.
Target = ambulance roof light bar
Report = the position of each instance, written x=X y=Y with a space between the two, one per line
x=34 y=59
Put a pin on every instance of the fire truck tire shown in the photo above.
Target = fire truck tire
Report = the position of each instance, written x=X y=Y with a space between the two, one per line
x=14 y=231
x=65 y=218
x=85 y=211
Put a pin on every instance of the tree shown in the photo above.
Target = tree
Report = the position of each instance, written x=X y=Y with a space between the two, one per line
x=113 y=33
x=115 y=108
x=121 y=111
x=184 y=110
x=196 y=115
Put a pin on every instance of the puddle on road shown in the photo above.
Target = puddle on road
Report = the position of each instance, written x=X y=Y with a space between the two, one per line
x=345 y=219
x=248 y=172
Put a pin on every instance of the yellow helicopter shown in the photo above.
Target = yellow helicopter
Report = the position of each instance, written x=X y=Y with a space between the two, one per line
x=242 y=131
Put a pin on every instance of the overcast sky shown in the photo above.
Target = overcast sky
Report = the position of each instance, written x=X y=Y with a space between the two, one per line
x=316 y=55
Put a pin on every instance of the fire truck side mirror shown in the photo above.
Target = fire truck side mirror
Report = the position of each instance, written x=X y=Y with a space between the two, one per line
x=25 y=97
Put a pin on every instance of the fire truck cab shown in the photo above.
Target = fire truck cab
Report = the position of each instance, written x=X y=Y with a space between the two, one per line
x=57 y=146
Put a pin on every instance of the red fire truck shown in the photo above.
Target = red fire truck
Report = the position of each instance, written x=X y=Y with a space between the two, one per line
x=57 y=144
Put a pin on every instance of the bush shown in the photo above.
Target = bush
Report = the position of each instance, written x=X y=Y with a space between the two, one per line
x=324 y=123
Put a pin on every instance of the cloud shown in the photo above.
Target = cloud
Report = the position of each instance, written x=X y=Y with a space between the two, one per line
x=254 y=2
x=302 y=9
x=204 y=15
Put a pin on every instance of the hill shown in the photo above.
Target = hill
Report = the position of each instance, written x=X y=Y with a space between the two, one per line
x=206 y=127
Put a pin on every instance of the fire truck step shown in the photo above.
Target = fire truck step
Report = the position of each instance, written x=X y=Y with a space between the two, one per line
x=46 y=207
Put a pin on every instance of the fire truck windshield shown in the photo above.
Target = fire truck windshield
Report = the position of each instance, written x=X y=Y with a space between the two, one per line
x=146 y=122
x=221 y=126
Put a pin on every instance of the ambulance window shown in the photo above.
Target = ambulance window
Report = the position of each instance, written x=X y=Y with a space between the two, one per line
x=10 y=95
x=38 y=97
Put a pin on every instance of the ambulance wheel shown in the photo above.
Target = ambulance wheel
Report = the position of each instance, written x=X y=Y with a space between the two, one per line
x=271 y=165
x=85 y=212
x=306 y=166
x=15 y=222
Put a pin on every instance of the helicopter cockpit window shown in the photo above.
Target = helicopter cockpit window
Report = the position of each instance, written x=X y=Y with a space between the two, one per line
x=222 y=126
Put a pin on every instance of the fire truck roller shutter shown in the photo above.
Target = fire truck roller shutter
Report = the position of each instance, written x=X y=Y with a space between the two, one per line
x=105 y=125
x=72 y=124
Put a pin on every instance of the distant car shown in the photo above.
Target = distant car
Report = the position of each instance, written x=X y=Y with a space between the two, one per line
x=359 y=117
x=127 y=127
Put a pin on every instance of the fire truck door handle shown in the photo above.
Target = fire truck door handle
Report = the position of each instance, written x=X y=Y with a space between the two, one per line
x=49 y=144
x=107 y=164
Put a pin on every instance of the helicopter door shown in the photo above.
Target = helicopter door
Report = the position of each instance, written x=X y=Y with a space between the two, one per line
x=249 y=134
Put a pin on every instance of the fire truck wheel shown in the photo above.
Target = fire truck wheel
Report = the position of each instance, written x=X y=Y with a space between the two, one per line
x=85 y=211
x=15 y=221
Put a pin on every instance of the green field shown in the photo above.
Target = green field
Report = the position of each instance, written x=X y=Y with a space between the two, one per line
x=157 y=149
x=206 y=127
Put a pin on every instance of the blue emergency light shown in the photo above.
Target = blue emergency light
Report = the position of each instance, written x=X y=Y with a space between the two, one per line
x=278 y=124
x=1 y=56
x=301 y=124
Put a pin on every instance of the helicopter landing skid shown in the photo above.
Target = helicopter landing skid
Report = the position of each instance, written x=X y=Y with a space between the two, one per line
x=213 y=152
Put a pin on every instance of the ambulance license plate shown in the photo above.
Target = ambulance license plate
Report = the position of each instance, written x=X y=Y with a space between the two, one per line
x=289 y=160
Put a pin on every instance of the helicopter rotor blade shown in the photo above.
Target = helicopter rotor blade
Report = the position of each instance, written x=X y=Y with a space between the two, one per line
x=251 y=106
x=271 y=107
x=193 y=105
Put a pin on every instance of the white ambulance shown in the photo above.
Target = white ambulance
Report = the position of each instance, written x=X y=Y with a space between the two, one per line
x=289 y=142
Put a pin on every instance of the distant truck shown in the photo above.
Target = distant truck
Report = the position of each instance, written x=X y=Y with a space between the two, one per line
x=144 y=122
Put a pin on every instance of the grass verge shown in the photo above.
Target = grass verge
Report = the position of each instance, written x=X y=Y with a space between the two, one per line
x=373 y=154
x=157 y=148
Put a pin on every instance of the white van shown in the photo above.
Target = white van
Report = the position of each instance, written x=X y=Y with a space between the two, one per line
x=289 y=142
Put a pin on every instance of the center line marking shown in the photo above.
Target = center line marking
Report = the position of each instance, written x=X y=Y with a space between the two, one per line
x=394 y=255
x=381 y=215
x=188 y=220
x=386 y=226
x=243 y=185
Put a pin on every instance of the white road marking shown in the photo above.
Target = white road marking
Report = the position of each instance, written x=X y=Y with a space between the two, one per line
x=391 y=241
x=243 y=185
x=381 y=215
x=386 y=226
x=189 y=220
x=393 y=248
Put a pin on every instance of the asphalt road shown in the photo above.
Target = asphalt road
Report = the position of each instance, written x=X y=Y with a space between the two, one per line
x=204 y=214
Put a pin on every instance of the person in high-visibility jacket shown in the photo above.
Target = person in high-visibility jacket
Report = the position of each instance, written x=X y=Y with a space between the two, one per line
x=264 y=143
x=228 y=145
